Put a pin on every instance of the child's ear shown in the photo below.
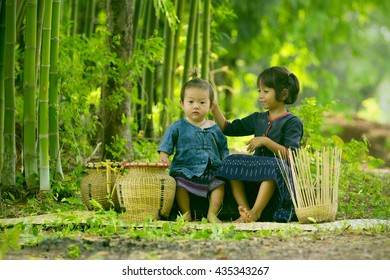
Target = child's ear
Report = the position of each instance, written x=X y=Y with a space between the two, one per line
x=284 y=94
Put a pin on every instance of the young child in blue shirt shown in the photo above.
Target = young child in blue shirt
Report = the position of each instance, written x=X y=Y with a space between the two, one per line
x=199 y=147
x=274 y=131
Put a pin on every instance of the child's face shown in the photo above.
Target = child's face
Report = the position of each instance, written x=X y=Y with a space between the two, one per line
x=267 y=97
x=196 y=104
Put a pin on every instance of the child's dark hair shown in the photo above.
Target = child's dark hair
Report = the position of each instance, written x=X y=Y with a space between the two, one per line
x=279 y=78
x=196 y=82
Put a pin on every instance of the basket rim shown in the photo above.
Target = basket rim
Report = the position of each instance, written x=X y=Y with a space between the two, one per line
x=144 y=164
x=102 y=164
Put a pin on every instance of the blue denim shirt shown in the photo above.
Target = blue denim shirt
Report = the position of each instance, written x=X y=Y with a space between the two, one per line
x=194 y=147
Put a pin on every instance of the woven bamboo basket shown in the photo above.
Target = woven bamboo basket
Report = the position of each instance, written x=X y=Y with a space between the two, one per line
x=146 y=191
x=317 y=213
x=312 y=180
x=99 y=185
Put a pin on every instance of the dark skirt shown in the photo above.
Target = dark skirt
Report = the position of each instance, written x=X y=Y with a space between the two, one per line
x=199 y=186
x=253 y=170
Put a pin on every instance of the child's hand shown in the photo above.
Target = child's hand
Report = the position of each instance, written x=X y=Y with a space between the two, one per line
x=213 y=105
x=254 y=143
x=164 y=158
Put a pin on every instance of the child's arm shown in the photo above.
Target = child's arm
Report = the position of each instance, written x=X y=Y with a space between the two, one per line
x=218 y=115
x=164 y=157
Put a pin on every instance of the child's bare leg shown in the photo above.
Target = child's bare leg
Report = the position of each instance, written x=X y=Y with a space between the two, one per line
x=240 y=197
x=183 y=201
x=266 y=190
x=216 y=198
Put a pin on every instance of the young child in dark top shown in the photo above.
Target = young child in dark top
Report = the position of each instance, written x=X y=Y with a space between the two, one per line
x=199 y=147
x=274 y=131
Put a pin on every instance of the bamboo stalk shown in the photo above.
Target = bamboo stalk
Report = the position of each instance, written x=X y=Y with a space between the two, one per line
x=89 y=18
x=2 y=52
x=108 y=176
x=148 y=77
x=74 y=17
x=206 y=39
x=326 y=175
x=43 y=100
x=321 y=182
x=318 y=178
x=196 y=48
x=41 y=12
x=20 y=13
x=29 y=95
x=167 y=72
x=179 y=13
x=190 y=40
x=9 y=161
x=54 y=138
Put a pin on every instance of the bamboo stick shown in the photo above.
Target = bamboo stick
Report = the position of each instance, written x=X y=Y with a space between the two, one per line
x=305 y=190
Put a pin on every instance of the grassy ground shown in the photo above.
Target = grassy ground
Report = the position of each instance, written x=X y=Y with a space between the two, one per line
x=363 y=199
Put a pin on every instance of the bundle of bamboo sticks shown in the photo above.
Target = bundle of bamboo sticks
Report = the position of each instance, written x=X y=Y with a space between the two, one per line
x=312 y=180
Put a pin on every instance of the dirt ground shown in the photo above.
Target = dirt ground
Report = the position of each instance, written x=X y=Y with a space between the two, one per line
x=314 y=246
x=312 y=243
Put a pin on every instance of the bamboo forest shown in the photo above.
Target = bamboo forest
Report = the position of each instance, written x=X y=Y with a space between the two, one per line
x=94 y=80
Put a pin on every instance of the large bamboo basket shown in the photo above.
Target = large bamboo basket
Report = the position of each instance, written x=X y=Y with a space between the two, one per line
x=99 y=185
x=146 y=191
x=312 y=180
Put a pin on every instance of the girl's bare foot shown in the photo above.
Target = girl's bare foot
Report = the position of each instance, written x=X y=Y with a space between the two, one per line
x=247 y=216
x=213 y=218
x=239 y=220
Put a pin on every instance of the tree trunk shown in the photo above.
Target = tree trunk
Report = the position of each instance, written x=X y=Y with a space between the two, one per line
x=30 y=157
x=119 y=23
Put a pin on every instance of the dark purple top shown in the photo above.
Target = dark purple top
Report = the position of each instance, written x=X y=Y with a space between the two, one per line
x=286 y=129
